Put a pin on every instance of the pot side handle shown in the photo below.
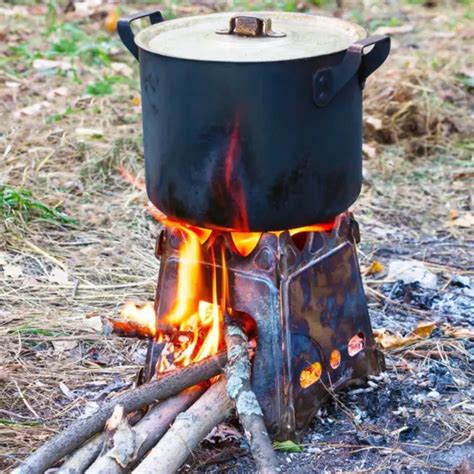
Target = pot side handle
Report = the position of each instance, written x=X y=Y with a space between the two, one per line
x=124 y=28
x=329 y=81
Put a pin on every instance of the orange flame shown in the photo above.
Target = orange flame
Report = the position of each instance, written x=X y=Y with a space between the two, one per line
x=245 y=242
x=199 y=323
x=143 y=315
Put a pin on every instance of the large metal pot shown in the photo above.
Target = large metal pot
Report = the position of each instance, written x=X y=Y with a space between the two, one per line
x=253 y=122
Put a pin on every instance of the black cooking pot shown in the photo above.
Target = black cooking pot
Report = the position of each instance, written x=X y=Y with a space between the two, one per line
x=248 y=128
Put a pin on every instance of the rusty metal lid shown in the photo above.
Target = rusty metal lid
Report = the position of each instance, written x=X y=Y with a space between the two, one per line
x=249 y=37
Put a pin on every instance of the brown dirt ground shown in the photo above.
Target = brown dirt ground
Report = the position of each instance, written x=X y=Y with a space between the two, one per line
x=57 y=280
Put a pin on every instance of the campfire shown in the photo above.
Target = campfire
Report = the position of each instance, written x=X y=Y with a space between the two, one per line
x=259 y=303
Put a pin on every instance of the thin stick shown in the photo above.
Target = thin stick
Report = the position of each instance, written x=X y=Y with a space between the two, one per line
x=81 y=430
x=187 y=432
x=144 y=435
x=237 y=372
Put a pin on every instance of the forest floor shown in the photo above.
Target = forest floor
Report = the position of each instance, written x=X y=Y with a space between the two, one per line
x=76 y=240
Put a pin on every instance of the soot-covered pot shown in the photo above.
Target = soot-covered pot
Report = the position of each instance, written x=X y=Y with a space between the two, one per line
x=253 y=121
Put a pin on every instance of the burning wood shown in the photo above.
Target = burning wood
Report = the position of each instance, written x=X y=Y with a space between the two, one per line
x=139 y=331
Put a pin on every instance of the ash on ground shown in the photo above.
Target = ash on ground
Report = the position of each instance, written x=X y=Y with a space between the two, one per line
x=415 y=417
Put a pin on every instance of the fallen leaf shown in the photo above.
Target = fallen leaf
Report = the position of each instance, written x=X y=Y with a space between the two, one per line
x=424 y=329
x=453 y=214
x=32 y=109
x=374 y=122
x=58 y=276
x=62 y=346
x=465 y=221
x=392 y=341
x=369 y=151
x=136 y=100
x=287 y=446
x=59 y=91
x=66 y=391
x=110 y=22
x=89 y=132
x=12 y=271
x=94 y=323
x=464 y=468
x=375 y=267
x=45 y=64
x=122 y=69
x=458 y=333
x=222 y=433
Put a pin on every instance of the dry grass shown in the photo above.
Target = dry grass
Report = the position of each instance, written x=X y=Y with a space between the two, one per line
x=56 y=279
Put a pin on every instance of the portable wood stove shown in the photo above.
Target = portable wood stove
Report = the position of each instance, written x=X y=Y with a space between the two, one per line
x=305 y=294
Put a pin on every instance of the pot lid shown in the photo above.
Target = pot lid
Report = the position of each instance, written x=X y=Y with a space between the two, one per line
x=249 y=36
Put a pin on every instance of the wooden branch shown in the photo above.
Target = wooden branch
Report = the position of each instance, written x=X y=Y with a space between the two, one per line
x=237 y=372
x=187 y=432
x=126 y=329
x=139 y=331
x=127 y=447
x=81 y=430
x=83 y=457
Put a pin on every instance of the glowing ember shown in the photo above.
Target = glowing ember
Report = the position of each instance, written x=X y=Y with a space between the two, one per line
x=310 y=375
x=335 y=359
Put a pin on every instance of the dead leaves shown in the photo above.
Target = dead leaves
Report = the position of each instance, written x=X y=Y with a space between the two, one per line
x=374 y=268
x=393 y=341
x=32 y=110
x=458 y=333
x=59 y=276
x=110 y=22
x=424 y=330
x=465 y=221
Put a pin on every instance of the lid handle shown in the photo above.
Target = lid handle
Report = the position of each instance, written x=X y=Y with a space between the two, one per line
x=250 y=26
